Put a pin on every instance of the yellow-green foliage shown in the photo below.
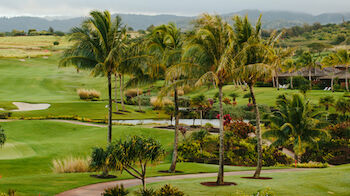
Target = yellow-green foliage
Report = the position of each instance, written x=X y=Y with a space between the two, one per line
x=86 y=94
x=71 y=165
x=311 y=165
x=133 y=92
x=159 y=103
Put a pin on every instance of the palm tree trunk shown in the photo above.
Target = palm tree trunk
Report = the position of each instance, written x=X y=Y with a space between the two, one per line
x=273 y=82
x=310 y=78
x=116 y=92
x=332 y=82
x=346 y=78
x=220 y=179
x=139 y=99
x=258 y=134
x=277 y=82
x=176 y=114
x=109 y=108
x=291 y=82
x=121 y=92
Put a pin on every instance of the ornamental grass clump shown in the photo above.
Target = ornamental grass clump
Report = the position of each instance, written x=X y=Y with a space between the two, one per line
x=71 y=165
x=86 y=94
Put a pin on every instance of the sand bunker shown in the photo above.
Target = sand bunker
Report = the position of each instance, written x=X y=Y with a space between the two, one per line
x=29 y=107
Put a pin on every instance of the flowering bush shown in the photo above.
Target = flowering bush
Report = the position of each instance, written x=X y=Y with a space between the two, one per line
x=240 y=128
x=227 y=101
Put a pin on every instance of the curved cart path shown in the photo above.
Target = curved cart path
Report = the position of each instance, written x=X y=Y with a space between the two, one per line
x=97 y=189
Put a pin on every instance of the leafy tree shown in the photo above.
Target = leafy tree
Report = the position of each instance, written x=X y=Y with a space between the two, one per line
x=135 y=151
x=51 y=30
x=99 y=160
x=97 y=44
x=295 y=122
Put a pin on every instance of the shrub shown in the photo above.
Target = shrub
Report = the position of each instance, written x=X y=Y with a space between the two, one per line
x=239 y=128
x=264 y=192
x=115 y=191
x=56 y=43
x=159 y=103
x=168 y=190
x=226 y=100
x=85 y=94
x=310 y=165
x=299 y=82
x=339 y=39
x=130 y=93
x=146 y=192
x=5 y=115
x=71 y=165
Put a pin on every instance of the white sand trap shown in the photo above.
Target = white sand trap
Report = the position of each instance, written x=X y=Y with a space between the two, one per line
x=30 y=107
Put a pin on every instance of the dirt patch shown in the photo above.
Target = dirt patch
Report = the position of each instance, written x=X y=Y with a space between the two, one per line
x=212 y=184
x=260 y=178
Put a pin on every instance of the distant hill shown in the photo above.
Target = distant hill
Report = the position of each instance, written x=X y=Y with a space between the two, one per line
x=271 y=20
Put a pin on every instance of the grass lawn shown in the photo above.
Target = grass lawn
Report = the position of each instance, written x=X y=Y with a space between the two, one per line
x=26 y=158
x=264 y=95
x=329 y=181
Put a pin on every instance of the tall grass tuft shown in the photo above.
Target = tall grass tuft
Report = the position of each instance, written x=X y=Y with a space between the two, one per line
x=159 y=103
x=71 y=165
x=133 y=92
x=86 y=94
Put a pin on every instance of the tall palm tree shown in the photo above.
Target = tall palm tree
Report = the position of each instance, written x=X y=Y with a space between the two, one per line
x=278 y=56
x=209 y=51
x=331 y=60
x=310 y=62
x=290 y=65
x=295 y=121
x=344 y=59
x=166 y=47
x=97 y=44
x=254 y=65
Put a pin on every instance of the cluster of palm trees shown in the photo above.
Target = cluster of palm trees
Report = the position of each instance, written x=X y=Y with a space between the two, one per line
x=214 y=53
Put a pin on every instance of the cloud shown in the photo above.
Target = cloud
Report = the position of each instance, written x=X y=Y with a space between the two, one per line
x=180 y=7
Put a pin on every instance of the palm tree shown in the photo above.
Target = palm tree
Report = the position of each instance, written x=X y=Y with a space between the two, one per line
x=96 y=46
x=166 y=47
x=308 y=61
x=279 y=55
x=290 y=66
x=344 y=59
x=327 y=101
x=295 y=121
x=331 y=61
x=252 y=67
x=209 y=50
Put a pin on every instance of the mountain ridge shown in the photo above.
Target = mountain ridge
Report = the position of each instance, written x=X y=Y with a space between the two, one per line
x=271 y=20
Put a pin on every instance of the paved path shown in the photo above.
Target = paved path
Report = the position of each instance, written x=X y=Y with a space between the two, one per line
x=97 y=189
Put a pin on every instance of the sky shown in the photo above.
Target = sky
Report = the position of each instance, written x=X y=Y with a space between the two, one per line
x=179 y=7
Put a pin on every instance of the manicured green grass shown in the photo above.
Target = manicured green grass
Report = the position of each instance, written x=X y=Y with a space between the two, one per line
x=264 y=95
x=329 y=181
x=26 y=160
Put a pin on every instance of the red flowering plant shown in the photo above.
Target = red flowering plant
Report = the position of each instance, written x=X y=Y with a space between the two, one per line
x=237 y=126
x=211 y=101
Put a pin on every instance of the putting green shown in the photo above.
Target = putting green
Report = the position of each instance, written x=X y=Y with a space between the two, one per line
x=16 y=150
